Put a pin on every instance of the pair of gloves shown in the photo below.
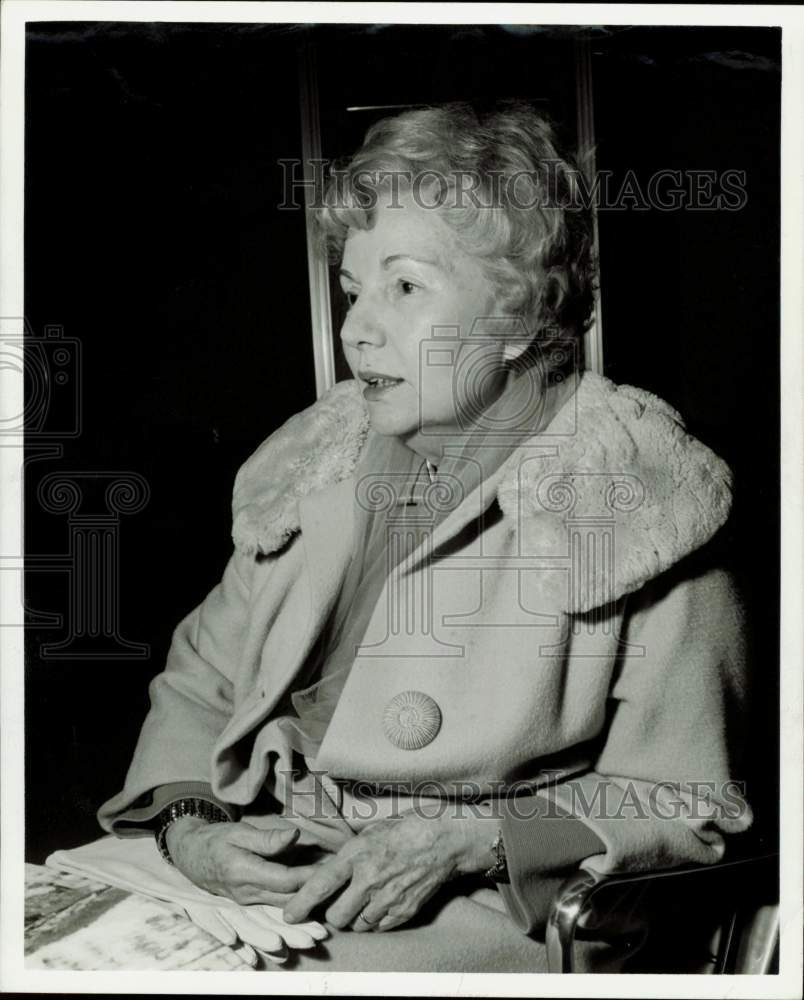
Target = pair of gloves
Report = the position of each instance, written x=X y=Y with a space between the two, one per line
x=244 y=928
x=135 y=865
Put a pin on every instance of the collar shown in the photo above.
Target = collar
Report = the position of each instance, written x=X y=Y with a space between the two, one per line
x=610 y=450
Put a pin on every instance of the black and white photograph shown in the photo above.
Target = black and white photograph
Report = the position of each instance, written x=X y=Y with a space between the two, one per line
x=402 y=499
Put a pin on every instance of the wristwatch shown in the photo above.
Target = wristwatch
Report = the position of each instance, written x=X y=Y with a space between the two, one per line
x=201 y=808
x=499 y=870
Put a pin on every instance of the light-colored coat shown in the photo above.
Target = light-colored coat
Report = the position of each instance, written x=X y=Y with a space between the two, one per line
x=570 y=643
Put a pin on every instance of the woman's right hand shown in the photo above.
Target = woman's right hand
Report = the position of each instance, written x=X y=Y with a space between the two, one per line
x=238 y=860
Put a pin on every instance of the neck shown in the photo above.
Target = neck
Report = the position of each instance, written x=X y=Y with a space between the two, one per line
x=429 y=442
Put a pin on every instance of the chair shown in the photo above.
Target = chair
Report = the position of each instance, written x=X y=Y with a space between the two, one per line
x=721 y=919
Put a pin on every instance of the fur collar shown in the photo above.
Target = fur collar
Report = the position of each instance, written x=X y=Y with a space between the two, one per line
x=315 y=448
x=615 y=450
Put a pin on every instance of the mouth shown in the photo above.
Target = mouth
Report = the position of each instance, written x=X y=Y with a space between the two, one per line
x=378 y=379
x=377 y=384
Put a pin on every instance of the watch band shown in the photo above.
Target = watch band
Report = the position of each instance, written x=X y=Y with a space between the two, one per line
x=499 y=870
x=199 y=808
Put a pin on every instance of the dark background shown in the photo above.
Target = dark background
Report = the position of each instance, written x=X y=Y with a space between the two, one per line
x=153 y=237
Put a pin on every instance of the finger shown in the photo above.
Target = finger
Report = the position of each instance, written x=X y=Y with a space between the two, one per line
x=369 y=917
x=266 y=843
x=317 y=834
x=390 y=921
x=247 y=868
x=399 y=915
x=346 y=908
x=250 y=896
x=396 y=893
x=364 y=922
x=253 y=895
x=325 y=881
x=252 y=933
x=298 y=875
x=404 y=910
x=253 y=871
x=272 y=822
x=311 y=834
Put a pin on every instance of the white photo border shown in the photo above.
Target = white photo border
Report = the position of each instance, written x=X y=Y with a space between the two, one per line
x=13 y=976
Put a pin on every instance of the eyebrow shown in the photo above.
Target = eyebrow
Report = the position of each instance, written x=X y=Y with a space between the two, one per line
x=393 y=258
x=409 y=256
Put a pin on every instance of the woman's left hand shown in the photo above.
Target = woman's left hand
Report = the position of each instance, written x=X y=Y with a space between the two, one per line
x=392 y=868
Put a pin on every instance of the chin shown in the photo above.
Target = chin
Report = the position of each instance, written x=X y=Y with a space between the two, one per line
x=390 y=426
x=394 y=420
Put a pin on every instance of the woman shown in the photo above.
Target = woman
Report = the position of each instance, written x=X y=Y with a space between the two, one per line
x=469 y=637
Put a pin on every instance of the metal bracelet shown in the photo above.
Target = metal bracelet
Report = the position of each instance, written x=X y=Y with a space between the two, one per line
x=198 y=808
x=499 y=870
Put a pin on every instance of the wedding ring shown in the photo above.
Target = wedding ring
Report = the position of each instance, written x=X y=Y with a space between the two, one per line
x=364 y=918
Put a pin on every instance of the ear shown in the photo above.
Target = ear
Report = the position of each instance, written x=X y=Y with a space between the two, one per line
x=514 y=349
x=511 y=331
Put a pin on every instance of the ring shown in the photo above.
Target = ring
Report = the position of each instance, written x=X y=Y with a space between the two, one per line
x=362 y=916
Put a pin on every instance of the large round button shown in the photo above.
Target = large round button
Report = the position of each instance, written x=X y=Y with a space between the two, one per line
x=411 y=720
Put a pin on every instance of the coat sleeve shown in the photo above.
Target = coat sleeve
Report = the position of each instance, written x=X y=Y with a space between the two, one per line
x=191 y=703
x=664 y=790
x=141 y=819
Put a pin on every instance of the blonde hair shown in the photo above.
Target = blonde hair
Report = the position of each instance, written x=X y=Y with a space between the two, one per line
x=523 y=213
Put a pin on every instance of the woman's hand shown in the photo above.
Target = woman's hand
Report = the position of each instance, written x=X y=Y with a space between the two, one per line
x=392 y=868
x=229 y=859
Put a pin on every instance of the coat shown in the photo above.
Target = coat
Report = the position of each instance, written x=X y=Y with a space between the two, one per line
x=567 y=644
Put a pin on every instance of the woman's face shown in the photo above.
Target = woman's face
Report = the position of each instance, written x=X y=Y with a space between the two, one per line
x=414 y=298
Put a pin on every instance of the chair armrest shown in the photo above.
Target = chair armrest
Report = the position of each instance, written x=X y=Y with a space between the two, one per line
x=574 y=903
x=570 y=903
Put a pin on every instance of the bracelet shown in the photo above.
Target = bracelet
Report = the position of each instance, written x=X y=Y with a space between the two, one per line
x=499 y=870
x=199 y=808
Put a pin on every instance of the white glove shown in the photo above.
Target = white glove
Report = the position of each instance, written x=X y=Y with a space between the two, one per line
x=134 y=864
x=206 y=917
x=246 y=928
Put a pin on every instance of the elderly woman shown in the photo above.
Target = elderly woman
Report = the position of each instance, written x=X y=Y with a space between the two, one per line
x=469 y=637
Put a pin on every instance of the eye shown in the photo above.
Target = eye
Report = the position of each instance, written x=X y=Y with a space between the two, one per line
x=351 y=298
x=407 y=287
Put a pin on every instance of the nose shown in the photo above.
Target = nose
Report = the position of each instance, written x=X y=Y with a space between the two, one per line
x=362 y=325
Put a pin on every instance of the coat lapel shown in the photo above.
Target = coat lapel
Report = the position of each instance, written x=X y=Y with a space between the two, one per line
x=327 y=521
x=613 y=456
x=327 y=537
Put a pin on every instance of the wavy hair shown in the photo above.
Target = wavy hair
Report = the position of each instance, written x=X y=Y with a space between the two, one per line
x=513 y=199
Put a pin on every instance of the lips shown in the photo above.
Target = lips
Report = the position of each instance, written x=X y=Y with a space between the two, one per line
x=379 y=386
x=375 y=378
